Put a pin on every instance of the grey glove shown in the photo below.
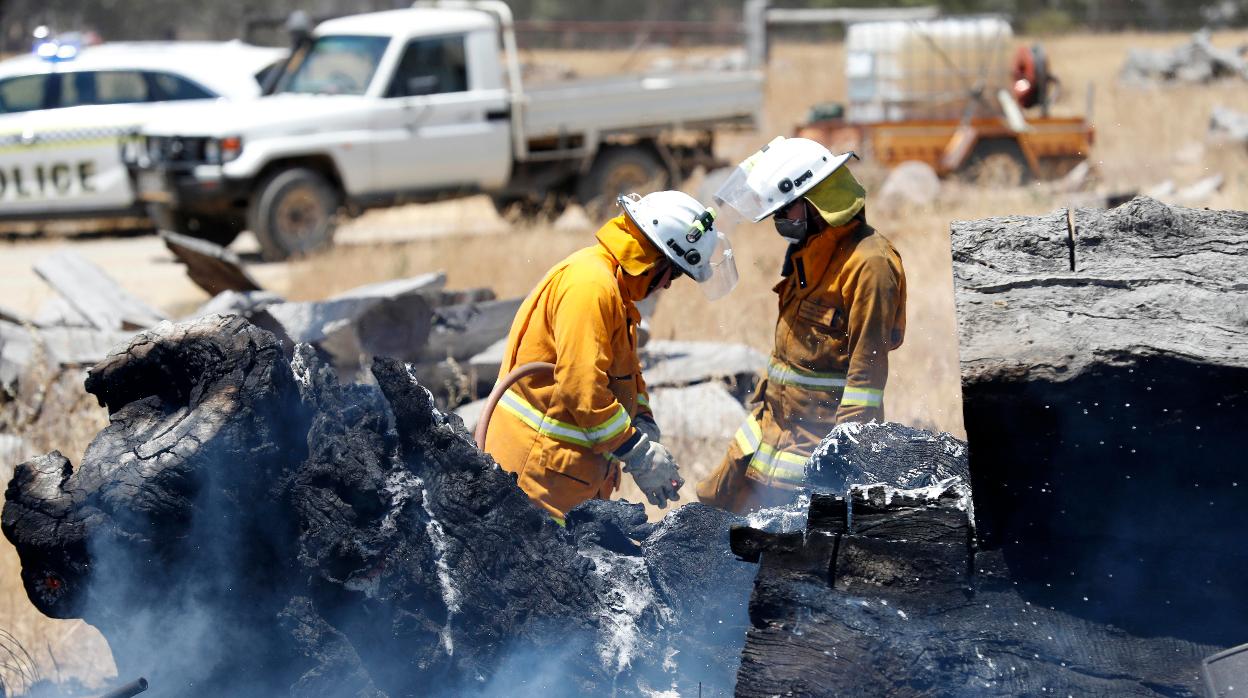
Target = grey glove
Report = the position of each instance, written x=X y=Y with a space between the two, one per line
x=654 y=470
x=645 y=424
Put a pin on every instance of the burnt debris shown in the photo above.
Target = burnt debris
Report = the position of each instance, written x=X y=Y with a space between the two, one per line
x=886 y=593
x=247 y=525
x=1105 y=388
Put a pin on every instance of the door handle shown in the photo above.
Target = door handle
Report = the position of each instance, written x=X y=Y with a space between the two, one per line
x=414 y=114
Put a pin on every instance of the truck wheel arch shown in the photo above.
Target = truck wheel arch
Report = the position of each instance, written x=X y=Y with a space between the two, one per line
x=638 y=166
x=294 y=211
x=322 y=164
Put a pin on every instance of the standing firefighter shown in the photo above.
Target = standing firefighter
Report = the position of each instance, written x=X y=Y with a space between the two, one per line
x=566 y=435
x=842 y=309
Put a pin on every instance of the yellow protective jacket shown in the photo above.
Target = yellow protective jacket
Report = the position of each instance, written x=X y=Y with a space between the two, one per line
x=556 y=434
x=842 y=309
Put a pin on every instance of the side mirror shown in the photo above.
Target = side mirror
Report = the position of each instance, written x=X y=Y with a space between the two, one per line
x=299 y=28
x=421 y=85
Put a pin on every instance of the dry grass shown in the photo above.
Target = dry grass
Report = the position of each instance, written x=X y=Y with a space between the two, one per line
x=1139 y=135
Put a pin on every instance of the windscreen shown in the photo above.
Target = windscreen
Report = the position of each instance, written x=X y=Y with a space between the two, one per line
x=335 y=65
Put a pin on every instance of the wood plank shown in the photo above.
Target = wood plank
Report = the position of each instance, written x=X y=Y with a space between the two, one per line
x=94 y=293
x=10 y=315
x=57 y=312
x=15 y=354
x=211 y=266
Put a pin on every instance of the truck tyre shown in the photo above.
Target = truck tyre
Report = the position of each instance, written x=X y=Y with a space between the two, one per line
x=295 y=213
x=996 y=164
x=616 y=171
x=527 y=212
x=221 y=230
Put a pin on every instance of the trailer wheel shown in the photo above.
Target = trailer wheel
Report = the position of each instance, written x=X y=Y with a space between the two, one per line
x=616 y=171
x=221 y=230
x=996 y=164
x=295 y=213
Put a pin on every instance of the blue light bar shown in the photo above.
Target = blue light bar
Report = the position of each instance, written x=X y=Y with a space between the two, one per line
x=55 y=51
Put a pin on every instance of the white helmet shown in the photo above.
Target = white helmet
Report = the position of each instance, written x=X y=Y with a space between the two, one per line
x=687 y=233
x=784 y=170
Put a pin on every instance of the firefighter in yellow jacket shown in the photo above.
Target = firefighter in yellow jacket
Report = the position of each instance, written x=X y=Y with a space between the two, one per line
x=567 y=437
x=842 y=309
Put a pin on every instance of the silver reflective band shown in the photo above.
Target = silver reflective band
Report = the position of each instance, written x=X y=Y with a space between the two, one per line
x=786 y=375
x=773 y=463
x=563 y=431
x=866 y=397
x=768 y=461
x=749 y=436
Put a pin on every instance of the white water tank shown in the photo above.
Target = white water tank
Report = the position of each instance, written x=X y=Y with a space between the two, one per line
x=924 y=69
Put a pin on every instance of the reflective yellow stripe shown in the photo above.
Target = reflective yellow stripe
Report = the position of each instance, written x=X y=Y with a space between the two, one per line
x=749 y=436
x=559 y=520
x=643 y=400
x=769 y=462
x=867 y=397
x=560 y=431
x=611 y=428
x=811 y=380
x=563 y=431
x=772 y=463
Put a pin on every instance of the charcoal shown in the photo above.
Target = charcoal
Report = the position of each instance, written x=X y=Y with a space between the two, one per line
x=249 y=525
x=1105 y=388
x=855 y=453
x=871 y=608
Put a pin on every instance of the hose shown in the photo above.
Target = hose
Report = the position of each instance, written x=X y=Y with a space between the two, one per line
x=483 y=424
x=133 y=688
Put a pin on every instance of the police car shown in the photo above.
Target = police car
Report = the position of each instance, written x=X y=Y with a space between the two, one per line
x=65 y=110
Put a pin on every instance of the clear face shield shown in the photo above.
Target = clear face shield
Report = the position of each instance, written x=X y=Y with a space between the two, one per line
x=746 y=198
x=723 y=265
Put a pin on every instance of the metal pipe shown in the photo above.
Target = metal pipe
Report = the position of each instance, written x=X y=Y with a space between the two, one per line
x=483 y=423
x=133 y=688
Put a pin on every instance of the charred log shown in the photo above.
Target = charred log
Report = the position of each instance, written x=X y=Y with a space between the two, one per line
x=1105 y=387
x=247 y=525
x=886 y=595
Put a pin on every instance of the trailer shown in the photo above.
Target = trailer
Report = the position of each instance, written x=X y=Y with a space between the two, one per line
x=953 y=93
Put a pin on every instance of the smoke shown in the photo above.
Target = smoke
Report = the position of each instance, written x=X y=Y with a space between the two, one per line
x=248 y=526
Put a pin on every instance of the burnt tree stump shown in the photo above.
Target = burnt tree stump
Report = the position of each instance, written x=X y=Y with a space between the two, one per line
x=1105 y=386
x=887 y=594
x=246 y=525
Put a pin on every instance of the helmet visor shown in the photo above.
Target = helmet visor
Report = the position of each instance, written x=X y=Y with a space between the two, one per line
x=744 y=196
x=723 y=266
x=737 y=193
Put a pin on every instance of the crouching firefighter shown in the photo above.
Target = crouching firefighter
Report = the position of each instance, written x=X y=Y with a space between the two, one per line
x=566 y=434
x=842 y=309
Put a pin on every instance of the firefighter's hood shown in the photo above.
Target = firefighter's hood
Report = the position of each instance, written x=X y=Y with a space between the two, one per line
x=634 y=253
x=838 y=198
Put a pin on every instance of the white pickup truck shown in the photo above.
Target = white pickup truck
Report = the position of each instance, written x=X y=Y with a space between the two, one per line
x=65 y=111
x=421 y=104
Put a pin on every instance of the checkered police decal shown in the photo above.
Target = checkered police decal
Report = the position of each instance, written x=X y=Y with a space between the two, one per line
x=64 y=137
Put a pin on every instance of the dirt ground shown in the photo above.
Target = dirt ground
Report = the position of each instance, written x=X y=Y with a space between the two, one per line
x=1144 y=136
